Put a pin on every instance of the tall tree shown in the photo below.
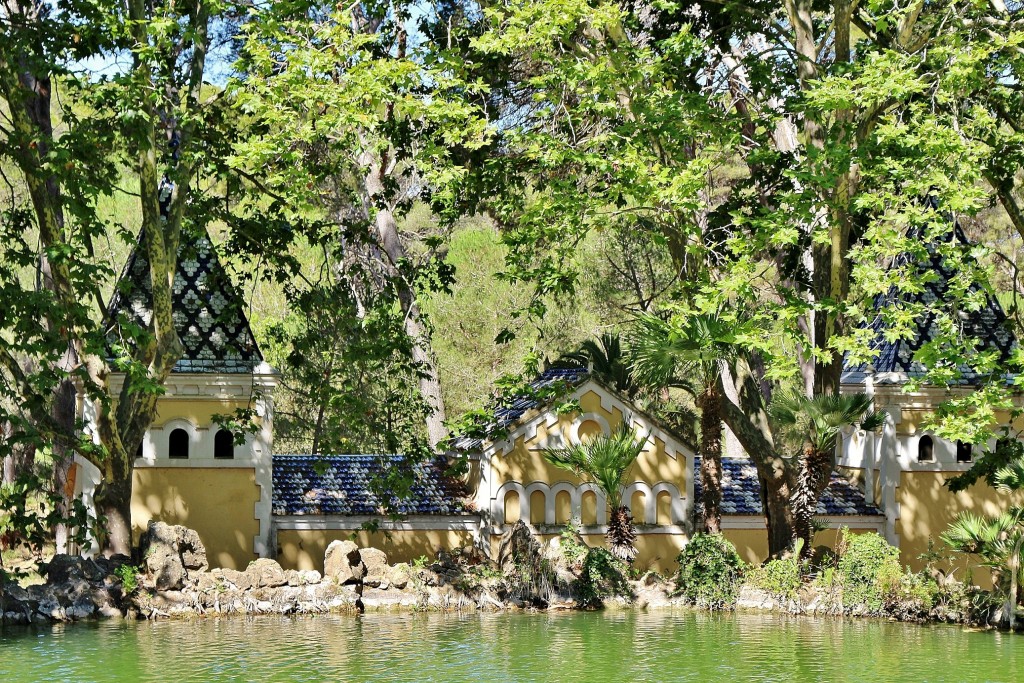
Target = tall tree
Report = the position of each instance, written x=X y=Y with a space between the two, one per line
x=356 y=112
x=689 y=352
x=153 y=112
x=778 y=153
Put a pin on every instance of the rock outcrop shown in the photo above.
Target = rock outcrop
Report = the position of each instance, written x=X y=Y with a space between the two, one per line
x=174 y=579
x=172 y=555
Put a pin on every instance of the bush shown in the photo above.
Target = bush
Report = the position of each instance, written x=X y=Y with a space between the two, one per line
x=709 y=572
x=602 y=576
x=869 y=572
x=779 y=578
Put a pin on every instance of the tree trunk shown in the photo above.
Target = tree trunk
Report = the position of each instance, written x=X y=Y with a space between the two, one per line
x=621 y=535
x=743 y=409
x=778 y=518
x=114 y=504
x=422 y=353
x=711 y=457
x=63 y=455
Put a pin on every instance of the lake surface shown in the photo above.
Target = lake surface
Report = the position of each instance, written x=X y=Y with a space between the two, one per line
x=564 y=647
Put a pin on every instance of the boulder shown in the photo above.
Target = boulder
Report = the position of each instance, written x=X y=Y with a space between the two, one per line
x=344 y=563
x=170 y=553
x=398 y=576
x=266 y=573
x=376 y=563
x=309 y=577
x=240 y=580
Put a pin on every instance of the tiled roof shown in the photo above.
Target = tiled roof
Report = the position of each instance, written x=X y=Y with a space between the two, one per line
x=741 y=492
x=208 y=312
x=344 y=488
x=895 y=362
x=511 y=410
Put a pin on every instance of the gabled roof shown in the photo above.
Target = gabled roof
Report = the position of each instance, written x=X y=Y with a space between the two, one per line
x=741 y=492
x=510 y=411
x=208 y=313
x=341 y=485
x=988 y=326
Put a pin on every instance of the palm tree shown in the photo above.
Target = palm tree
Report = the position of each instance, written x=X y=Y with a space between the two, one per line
x=817 y=421
x=608 y=359
x=668 y=352
x=997 y=540
x=605 y=460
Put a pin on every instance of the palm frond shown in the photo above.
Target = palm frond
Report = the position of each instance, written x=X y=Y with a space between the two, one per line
x=664 y=349
x=1010 y=477
x=605 y=460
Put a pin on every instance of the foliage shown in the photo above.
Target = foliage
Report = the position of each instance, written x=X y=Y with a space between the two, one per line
x=609 y=360
x=606 y=460
x=818 y=420
x=29 y=509
x=710 y=571
x=869 y=572
x=667 y=350
x=129 y=576
x=779 y=578
x=602 y=576
x=573 y=549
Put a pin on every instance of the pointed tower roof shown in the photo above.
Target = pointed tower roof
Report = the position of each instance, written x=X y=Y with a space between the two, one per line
x=989 y=326
x=208 y=312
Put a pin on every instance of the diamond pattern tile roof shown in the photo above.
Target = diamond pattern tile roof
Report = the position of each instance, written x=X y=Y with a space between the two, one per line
x=512 y=409
x=895 y=362
x=741 y=492
x=340 y=485
x=208 y=313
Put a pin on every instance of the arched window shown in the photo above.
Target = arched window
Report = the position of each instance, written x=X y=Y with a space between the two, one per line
x=138 y=451
x=925 y=449
x=963 y=451
x=177 y=444
x=224 y=445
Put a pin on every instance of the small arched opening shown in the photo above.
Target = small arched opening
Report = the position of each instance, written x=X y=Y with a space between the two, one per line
x=926 y=449
x=177 y=444
x=224 y=445
x=538 y=501
x=964 y=451
x=512 y=507
x=563 y=507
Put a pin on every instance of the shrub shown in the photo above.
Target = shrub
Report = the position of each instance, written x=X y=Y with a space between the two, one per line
x=869 y=572
x=780 y=578
x=709 y=572
x=602 y=576
x=129 y=576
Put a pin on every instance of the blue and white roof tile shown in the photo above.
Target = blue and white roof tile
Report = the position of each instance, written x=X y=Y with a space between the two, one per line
x=741 y=492
x=510 y=410
x=341 y=485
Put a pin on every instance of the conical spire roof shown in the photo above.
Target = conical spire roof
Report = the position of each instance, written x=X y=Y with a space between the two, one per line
x=989 y=327
x=208 y=312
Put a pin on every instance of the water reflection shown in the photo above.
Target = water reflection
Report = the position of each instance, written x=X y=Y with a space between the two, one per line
x=563 y=647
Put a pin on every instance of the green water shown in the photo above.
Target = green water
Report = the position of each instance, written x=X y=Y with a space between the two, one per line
x=595 y=646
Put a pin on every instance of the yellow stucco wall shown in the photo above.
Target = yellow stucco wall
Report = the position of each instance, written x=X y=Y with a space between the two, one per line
x=305 y=549
x=525 y=462
x=752 y=544
x=198 y=411
x=927 y=508
x=219 y=503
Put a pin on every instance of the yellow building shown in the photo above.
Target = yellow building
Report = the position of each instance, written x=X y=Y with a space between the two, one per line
x=903 y=468
x=190 y=470
x=509 y=479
